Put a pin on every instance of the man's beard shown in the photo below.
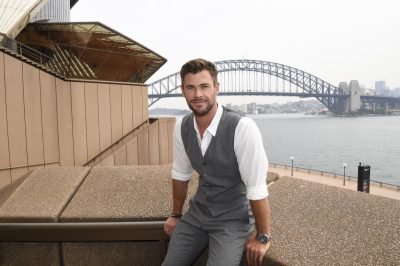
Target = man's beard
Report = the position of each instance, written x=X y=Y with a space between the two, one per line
x=205 y=111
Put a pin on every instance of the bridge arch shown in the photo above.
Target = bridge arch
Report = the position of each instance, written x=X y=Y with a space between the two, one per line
x=312 y=86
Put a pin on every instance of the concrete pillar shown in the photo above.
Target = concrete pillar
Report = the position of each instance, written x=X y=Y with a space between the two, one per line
x=354 y=90
x=386 y=107
x=343 y=104
x=353 y=102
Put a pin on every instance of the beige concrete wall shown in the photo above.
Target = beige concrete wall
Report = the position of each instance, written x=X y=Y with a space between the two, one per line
x=137 y=104
x=132 y=157
x=33 y=115
x=171 y=125
x=149 y=144
x=49 y=119
x=79 y=123
x=143 y=146
x=165 y=132
x=92 y=120
x=104 y=116
x=154 y=151
x=15 y=116
x=47 y=122
x=116 y=112
x=65 y=130
x=5 y=173
x=127 y=110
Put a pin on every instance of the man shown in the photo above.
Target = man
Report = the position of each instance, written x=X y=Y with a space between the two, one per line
x=227 y=152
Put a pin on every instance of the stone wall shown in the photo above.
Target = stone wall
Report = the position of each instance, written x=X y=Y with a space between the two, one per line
x=46 y=121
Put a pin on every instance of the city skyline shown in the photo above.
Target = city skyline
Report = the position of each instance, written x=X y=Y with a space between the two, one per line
x=333 y=40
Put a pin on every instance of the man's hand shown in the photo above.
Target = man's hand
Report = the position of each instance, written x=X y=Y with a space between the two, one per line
x=255 y=251
x=169 y=225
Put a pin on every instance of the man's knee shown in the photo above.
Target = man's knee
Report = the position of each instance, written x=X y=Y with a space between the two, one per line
x=187 y=243
x=225 y=257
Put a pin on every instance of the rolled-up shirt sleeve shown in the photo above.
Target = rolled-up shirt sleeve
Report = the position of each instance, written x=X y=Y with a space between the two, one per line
x=181 y=168
x=251 y=157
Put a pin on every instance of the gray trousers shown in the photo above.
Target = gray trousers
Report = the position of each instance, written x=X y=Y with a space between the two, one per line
x=225 y=242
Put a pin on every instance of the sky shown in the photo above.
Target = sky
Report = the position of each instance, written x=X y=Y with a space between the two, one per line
x=335 y=40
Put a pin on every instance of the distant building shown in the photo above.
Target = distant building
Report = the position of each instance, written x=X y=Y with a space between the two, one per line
x=397 y=92
x=252 y=108
x=380 y=87
x=363 y=90
x=243 y=108
x=388 y=92
x=370 y=92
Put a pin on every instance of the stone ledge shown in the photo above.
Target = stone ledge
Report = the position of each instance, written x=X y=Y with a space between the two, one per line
x=42 y=196
x=316 y=224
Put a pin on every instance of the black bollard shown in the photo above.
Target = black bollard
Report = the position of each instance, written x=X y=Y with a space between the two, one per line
x=364 y=172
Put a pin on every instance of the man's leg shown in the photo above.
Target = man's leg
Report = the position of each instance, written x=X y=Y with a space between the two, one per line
x=186 y=244
x=226 y=244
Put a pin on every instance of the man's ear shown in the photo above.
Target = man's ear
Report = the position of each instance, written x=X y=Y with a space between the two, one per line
x=217 y=88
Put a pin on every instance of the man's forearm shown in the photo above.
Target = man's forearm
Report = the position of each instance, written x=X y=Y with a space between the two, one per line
x=262 y=215
x=179 y=192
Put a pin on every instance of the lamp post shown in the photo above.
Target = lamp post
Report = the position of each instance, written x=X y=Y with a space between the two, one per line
x=292 y=158
x=344 y=173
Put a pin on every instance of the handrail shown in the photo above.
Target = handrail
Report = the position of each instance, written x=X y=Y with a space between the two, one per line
x=23 y=50
x=110 y=149
x=397 y=187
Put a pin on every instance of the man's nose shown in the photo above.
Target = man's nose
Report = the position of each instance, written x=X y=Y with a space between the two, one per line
x=197 y=92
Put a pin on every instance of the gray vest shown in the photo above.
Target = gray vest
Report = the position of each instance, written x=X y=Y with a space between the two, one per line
x=221 y=190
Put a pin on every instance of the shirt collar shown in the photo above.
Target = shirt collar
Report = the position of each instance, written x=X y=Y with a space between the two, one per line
x=212 y=128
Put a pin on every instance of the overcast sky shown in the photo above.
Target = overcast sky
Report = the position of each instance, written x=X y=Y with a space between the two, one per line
x=335 y=40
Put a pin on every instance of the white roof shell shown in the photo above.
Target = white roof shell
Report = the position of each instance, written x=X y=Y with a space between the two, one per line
x=15 y=14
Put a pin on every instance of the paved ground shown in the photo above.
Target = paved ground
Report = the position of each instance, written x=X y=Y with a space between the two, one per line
x=318 y=224
x=375 y=189
x=314 y=220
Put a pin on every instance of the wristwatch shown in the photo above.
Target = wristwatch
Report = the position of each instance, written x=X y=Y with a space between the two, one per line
x=176 y=215
x=263 y=238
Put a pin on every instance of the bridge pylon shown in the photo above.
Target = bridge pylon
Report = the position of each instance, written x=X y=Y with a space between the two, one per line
x=352 y=101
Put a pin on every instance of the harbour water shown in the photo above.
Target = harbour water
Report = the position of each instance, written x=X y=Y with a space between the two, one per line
x=325 y=143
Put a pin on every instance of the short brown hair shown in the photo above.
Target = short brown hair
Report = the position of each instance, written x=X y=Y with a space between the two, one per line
x=196 y=65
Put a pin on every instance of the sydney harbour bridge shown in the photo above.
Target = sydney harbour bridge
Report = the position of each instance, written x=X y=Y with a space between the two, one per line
x=263 y=78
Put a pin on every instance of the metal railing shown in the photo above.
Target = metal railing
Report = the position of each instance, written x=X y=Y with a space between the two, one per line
x=23 y=50
x=58 y=64
x=334 y=175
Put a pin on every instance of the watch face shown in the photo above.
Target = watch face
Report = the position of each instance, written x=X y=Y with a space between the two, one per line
x=263 y=238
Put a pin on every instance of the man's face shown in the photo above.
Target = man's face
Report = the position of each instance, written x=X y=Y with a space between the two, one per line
x=200 y=92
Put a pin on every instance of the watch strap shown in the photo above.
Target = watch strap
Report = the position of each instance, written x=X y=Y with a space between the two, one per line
x=263 y=238
x=176 y=215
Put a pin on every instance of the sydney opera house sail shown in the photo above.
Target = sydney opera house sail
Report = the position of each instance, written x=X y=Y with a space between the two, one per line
x=16 y=14
x=41 y=31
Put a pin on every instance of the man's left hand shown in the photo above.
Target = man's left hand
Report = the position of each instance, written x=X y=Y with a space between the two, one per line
x=255 y=251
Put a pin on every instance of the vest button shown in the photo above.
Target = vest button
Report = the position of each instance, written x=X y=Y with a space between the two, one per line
x=204 y=163
x=205 y=175
x=207 y=185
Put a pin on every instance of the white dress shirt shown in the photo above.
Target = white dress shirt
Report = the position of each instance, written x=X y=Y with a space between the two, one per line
x=249 y=151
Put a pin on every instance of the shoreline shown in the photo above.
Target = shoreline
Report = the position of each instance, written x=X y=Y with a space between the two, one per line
x=391 y=191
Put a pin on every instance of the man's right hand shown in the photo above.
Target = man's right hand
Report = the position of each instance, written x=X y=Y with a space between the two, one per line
x=170 y=224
